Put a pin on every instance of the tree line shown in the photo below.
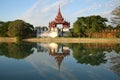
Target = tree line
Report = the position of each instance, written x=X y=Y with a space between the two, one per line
x=90 y=24
x=17 y=28
x=94 y=24
x=16 y=51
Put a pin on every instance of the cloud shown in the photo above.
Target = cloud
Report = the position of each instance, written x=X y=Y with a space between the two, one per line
x=42 y=11
x=46 y=64
x=55 y=4
x=108 y=9
x=106 y=14
x=84 y=11
x=112 y=3
x=94 y=6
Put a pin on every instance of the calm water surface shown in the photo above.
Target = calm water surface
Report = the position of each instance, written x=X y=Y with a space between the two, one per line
x=59 y=61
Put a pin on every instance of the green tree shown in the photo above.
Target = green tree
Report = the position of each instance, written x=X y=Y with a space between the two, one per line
x=1 y=23
x=19 y=28
x=117 y=27
x=68 y=34
x=117 y=34
x=77 y=29
x=4 y=28
x=109 y=27
x=86 y=25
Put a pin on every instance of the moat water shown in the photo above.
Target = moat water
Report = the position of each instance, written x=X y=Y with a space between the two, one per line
x=59 y=61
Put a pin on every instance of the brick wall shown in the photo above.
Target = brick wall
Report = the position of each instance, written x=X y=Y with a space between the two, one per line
x=107 y=33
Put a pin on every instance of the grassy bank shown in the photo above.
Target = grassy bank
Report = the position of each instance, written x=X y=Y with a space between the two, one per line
x=64 y=40
x=75 y=40
x=7 y=39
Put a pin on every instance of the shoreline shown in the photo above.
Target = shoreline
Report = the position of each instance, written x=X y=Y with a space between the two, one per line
x=64 y=40
x=74 y=40
x=7 y=39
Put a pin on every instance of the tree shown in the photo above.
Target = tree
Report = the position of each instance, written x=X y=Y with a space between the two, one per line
x=68 y=34
x=4 y=28
x=19 y=28
x=77 y=29
x=116 y=13
x=1 y=23
x=109 y=27
x=117 y=27
x=86 y=25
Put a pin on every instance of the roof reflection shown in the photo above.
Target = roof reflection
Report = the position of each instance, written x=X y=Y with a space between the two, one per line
x=58 y=51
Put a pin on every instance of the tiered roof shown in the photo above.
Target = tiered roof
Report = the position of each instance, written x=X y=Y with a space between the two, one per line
x=59 y=20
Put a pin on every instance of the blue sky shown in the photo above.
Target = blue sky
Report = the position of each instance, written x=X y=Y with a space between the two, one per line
x=40 y=12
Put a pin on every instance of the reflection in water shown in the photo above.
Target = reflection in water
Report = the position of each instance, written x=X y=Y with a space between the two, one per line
x=88 y=54
x=58 y=51
x=17 y=51
x=114 y=58
x=95 y=54
x=92 y=54
x=57 y=61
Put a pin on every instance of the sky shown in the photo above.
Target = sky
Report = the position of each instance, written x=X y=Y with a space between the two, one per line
x=41 y=12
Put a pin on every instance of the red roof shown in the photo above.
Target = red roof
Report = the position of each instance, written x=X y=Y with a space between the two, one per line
x=59 y=20
x=59 y=17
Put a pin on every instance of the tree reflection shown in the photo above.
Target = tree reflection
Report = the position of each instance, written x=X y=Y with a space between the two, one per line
x=17 y=51
x=115 y=60
x=116 y=66
x=93 y=54
x=86 y=55
x=57 y=50
x=41 y=48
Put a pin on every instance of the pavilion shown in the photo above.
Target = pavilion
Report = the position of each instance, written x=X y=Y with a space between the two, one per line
x=56 y=27
x=59 y=20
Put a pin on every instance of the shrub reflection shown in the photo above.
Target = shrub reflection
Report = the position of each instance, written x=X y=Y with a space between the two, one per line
x=17 y=51
x=93 y=54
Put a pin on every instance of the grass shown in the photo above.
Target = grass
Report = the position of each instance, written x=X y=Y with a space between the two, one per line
x=64 y=40
x=7 y=39
x=75 y=40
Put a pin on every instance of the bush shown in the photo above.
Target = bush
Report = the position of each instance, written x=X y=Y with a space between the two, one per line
x=117 y=35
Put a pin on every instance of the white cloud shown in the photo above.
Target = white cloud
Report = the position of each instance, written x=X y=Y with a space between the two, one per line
x=97 y=9
x=108 y=7
x=55 y=4
x=112 y=3
x=105 y=14
x=42 y=12
x=93 y=7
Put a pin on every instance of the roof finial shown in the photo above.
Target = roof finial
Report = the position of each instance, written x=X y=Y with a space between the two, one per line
x=59 y=6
